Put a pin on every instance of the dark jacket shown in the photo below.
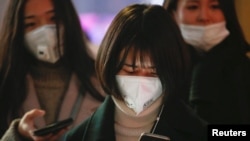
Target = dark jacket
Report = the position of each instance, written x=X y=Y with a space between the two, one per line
x=177 y=122
x=220 y=85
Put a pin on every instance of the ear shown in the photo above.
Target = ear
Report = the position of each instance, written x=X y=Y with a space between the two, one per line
x=176 y=17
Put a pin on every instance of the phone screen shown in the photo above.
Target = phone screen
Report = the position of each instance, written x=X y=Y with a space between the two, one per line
x=153 y=137
x=53 y=128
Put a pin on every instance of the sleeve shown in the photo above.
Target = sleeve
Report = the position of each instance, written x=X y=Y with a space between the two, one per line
x=12 y=134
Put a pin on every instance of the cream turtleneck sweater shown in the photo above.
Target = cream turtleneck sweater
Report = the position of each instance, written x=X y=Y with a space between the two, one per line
x=128 y=126
x=50 y=81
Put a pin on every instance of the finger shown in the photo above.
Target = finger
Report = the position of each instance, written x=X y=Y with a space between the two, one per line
x=30 y=115
x=42 y=138
x=61 y=132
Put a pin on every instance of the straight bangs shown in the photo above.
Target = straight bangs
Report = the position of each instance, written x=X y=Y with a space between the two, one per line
x=138 y=46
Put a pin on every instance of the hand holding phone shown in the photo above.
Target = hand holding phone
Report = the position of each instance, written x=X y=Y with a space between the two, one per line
x=53 y=128
x=153 y=137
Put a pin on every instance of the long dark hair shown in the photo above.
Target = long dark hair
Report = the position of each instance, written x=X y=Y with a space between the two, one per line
x=151 y=31
x=15 y=60
x=237 y=38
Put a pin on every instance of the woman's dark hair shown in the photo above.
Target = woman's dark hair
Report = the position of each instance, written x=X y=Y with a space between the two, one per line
x=15 y=60
x=237 y=38
x=150 y=30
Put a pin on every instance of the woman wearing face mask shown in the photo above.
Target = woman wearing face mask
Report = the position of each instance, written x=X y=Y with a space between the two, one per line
x=45 y=64
x=219 y=91
x=141 y=64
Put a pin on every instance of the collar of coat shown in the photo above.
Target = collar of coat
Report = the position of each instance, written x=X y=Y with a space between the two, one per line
x=176 y=117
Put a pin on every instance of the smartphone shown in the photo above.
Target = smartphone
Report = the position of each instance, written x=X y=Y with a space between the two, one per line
x=53 y=128
x=153 y=137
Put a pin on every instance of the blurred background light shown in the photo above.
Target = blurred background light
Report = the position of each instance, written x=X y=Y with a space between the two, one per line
x=96 y=15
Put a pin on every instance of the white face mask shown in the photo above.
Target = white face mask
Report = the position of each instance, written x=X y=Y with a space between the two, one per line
x=42 y=43
x=204 y=37
x=139 y=92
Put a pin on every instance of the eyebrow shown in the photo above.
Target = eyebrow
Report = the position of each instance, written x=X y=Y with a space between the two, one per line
x=32 y=16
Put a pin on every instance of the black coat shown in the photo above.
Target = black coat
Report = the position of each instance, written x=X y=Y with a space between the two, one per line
x=177 y=122
x=220 y=85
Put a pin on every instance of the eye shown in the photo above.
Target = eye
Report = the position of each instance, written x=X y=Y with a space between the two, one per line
x=51 y=17
x=192 y=7
x=29 y=25
x=128 y=70
x=153 y=71
x=215 y=6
